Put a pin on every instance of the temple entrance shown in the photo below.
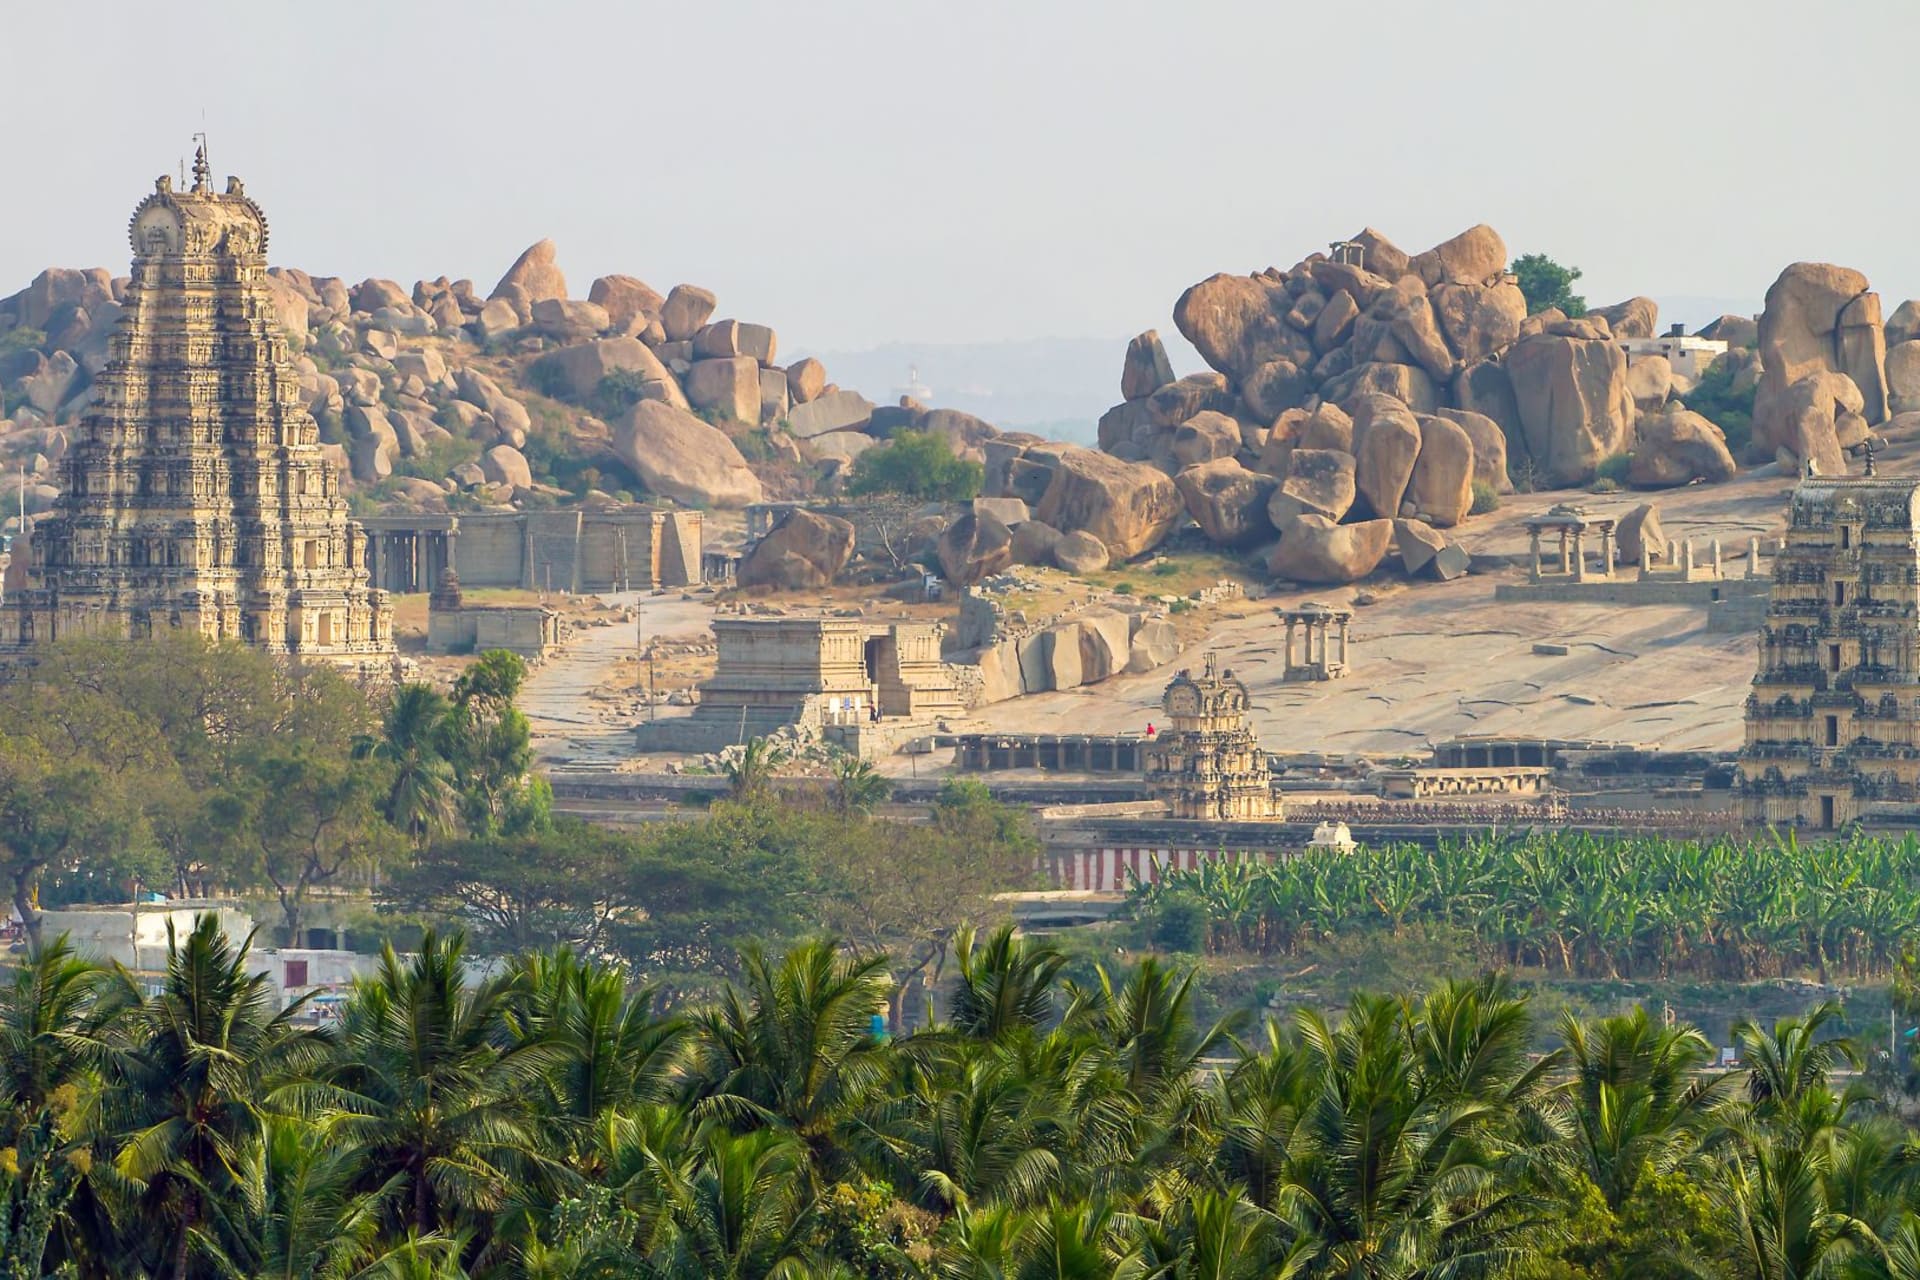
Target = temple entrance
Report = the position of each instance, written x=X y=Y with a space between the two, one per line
x=1826 y=813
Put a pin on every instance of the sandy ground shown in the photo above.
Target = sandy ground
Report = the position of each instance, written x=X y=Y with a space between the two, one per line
x=1430 y=661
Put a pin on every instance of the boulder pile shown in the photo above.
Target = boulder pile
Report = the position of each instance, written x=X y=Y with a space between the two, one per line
x=428 y=397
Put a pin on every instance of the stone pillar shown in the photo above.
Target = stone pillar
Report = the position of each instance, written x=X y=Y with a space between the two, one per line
x=1289 y=665
x=1646 y=561
x=1606 y=551
x=1686 y=561
x=1753 y=557
x=1579 y=555
x=1713 y=557
x=1566 y=562
x=1533 y=546
x=1345 y=637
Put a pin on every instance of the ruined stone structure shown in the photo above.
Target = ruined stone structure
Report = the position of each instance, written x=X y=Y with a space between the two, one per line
x=810 y=672
x=1571 y=525
x=1327 y=631
x=194 y=493
x=1049 y=752
x=1833 y=722
x=632 y=548
x=1206 y=763
x=456 y=626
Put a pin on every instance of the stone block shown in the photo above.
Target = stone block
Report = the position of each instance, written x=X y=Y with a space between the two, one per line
x=833 y=411
x=729 y=388
x=1062 y=656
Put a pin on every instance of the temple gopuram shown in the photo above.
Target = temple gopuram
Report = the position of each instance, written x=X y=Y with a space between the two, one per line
x=194 y=492
x=1206 y=763
x=1833 y=724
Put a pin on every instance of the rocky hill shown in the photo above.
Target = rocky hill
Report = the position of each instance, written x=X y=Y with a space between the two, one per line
x=435 y=396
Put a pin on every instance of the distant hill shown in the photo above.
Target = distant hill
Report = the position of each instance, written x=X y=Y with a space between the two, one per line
x=1055 y=387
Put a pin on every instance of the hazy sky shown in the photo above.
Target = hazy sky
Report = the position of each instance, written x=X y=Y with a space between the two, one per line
x=852 y=173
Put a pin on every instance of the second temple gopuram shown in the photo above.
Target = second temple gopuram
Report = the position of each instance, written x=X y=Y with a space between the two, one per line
x=1833 y=722
x=194 y=492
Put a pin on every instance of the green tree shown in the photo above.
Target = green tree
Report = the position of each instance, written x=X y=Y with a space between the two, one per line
x=421 y=797
x=917 y=464
x=1547 y=284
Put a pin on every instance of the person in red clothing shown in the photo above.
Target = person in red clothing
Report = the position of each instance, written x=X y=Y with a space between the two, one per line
x=1149 y=728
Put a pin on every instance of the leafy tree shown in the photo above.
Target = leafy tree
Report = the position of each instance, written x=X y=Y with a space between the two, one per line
x=1714 y=398
x=917 y=464
x=1547 y=284
x=751 y=772
x=858 y=787
x=562 y=887
x=421 y=799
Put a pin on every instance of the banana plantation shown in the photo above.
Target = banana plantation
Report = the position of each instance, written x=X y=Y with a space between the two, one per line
x=1575 y=905
x=550 y=1121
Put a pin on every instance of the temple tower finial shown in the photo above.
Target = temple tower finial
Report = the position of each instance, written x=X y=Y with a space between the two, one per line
x=202 y=171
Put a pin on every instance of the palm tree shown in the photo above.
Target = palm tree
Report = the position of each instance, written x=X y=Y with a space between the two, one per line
x=52 y=1030
x=433 y=1088
x=1774 y=1194
x=412 y=743
x=858 y=787
x=603 y=1047
x=792 y=1046
x=189 y=1096
x=1639 y=1100
x=1005 y=985
x=743 y=1214
x=1793 y=1059
x=749 y=774
x=312 y=1222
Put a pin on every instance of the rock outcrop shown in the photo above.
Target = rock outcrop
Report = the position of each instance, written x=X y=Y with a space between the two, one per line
x=1820 y=321
x=1128 y=506
x=680 y=457
x=1314 y=549
x=805 y=551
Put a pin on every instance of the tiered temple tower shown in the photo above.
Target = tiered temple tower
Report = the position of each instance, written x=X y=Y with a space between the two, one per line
x=1833 y=722
x=195 y=492
x=1206 y=764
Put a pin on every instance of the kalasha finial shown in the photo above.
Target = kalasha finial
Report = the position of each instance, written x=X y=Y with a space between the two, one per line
x=1868 y=449
x=202 y=171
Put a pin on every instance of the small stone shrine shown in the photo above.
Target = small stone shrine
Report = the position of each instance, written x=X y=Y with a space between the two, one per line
x=1327 y=631
x=195 y=494
x=1206 y=763
x=1571 y=525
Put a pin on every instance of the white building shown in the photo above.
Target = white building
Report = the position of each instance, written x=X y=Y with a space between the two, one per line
x=1689 y=356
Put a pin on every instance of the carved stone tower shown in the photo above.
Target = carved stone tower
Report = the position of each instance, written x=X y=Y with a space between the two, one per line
x=1833 y=722
x=1206 y=764
x=195 y=494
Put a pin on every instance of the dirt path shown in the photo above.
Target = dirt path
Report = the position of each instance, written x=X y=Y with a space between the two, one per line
x=572 y=730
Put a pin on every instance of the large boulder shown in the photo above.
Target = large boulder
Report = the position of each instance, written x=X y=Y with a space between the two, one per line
x=1475 y=256
x=1640 y=529
x=1406 y=383
x=1902 y=326
x=478 y=389
x=1819 y=318
x=975 y=546
x=1678 y=447
x=1275 y=387
x=1235 y=325
x=534 y=274
x=1634 y=318
x=504 y=464
x=1409 y=318
x=1315 y=549
x=686 y=309
x=1489 y=448
x=1649 y=382
x=1478 y=320
x=565 y=320
x=1574 y=406
x=1227 y=501
x=1147 y=368
x=1743 y=331
x=1441 y=488
x=729 y=388
x=1335 y=321
x=1381 y=255
x=1810 y=418
x=1105 y=644
x=1034 y=541
x=805 y=551
x=1386 y=443
x=1903 y=377
x=966 y=435
x=1080 y=552
x=1180 y=399
x=806 y=379
x=625 y=300
x=680 y=457
x=574 y=373
x=1318 y=482
x=1130 y=507
x=1204 y=437
x=831 y=411
x=1484 y=388
x=1327 y=427
x=1155 y=644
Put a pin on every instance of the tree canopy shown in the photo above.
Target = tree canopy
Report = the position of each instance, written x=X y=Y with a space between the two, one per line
x=1547 y=284
x=917 y=464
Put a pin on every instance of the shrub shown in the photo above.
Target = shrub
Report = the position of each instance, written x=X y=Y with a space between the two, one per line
x=1485 y=498
x=1614 y=470
x=21 y=338
x=616 y=393
x=1714 y=399
x=1123 y=588
x=917 y=464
